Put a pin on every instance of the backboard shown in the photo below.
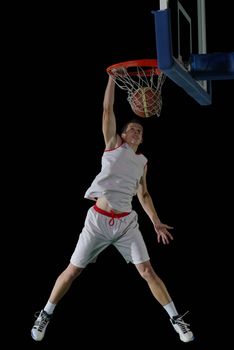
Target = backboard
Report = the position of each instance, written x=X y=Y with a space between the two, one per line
x=180 y=27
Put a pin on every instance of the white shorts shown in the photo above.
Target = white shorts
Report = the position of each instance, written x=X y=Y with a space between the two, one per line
x=102 y=229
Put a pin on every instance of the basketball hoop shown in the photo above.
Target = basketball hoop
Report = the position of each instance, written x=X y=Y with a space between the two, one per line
x=143 y=82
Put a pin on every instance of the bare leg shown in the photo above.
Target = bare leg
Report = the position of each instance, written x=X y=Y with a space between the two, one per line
x=61 y=286
x=64 y=282
x=155 y=284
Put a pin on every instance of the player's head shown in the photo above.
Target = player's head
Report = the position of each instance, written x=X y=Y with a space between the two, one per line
x=132 y=121
x=132 y=132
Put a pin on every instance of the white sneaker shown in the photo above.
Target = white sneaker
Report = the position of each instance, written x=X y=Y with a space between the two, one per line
x=39 y=328
x=182 y=328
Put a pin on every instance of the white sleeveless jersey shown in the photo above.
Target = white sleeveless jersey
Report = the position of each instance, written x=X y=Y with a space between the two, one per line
x=119 y=177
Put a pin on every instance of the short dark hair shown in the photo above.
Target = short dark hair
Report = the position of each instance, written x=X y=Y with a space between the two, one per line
x=133 y=120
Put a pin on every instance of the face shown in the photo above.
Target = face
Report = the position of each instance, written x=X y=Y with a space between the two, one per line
x=133 y=134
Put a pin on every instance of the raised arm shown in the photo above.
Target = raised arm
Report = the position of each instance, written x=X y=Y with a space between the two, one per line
x=108 y=117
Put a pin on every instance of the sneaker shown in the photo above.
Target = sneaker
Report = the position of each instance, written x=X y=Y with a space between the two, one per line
x=39 y=328
x=182 y=328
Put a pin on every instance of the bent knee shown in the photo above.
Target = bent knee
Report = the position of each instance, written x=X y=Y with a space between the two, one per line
x=146 y=271
x=72 y=272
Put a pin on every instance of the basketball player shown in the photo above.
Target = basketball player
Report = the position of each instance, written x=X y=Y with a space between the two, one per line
x=113 y=221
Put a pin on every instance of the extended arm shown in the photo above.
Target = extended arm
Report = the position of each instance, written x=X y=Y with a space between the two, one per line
x=148 y=206
x=108 y=118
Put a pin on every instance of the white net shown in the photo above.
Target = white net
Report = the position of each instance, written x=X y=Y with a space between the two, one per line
x=143 y=86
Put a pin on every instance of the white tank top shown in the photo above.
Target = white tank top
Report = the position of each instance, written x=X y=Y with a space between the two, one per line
x=119 y=177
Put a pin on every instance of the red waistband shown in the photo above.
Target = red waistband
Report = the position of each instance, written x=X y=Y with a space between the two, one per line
x=110 y=214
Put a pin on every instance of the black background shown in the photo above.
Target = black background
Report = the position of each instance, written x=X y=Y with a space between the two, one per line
x=62 y=55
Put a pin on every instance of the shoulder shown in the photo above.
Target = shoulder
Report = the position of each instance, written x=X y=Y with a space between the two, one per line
x=114 y=143
x=143 y=157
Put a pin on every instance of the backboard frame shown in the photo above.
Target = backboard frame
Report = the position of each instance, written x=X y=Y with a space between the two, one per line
x=174 y=67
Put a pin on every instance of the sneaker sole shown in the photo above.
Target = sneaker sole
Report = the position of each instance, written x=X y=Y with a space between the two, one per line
x=34 y=337
x=187 y=341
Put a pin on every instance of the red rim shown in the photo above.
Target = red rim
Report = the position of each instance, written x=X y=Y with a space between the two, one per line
x=146 y=64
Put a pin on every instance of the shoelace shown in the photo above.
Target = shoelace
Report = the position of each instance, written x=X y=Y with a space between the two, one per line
x=184 y=326
x=43 y=321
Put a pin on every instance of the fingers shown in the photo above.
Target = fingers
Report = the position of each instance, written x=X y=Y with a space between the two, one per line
x=162 y=226
x=170 y=235
x=119 y=71
x=165 y=236
x=164 y=239
x=169 y=227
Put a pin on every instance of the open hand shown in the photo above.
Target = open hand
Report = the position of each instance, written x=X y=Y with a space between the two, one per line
x=163 y=234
